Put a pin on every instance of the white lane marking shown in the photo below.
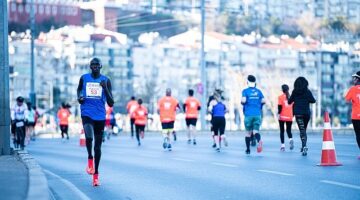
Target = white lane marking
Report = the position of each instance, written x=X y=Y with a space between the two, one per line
x=275 y=172
x=224 y=164
x=71 y=186
x=182 y=159
x=341 y=184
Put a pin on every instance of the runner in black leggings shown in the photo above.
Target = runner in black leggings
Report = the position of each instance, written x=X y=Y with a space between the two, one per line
x=301 y=96
x=94 y=90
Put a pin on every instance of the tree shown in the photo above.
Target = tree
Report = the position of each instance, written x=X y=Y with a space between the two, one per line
x=308 y=25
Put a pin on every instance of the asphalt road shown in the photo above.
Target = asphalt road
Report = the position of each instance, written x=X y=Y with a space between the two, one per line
x=198 y=172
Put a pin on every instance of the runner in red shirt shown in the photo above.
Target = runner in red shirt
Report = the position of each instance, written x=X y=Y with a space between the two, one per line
x=167 y=107
x=63 y=115
x=140 y=114
x=285 y=117
x=353 y=96
x=191 y=108
x=130 y=107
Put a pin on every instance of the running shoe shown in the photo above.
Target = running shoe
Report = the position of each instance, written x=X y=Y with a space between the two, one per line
x=194 y=142
x=291 y=144
x=96 y=181
x=189 y=141
x=90 y=167
x=214 y=145
x=304 y=151
x=247 y=151
x=218 y=149
x=282 y=149
x=169 y=147
x=139 y=144
x=165 y=145
x=259 y=146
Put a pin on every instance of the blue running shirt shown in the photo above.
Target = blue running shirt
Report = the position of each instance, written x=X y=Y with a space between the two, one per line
x=94 y=103
x=253 y=96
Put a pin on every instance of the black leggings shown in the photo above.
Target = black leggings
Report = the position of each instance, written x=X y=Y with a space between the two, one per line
x=282 y=130
x=302 y=122
x=20 y=136
x=219 y=124
x=93 y=128
x=138 y=129
x=356 y=124
x=132 y=124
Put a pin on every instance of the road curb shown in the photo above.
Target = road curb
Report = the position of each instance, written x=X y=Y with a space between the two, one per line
x=38 y=187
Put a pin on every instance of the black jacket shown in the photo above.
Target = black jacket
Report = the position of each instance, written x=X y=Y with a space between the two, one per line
x=302 y=100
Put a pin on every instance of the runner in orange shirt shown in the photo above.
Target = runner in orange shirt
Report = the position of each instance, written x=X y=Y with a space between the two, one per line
x=167 y=107
x=285 y=117
x=140 y=114
x=108 y=126
x=63 y=115
x=191 y=108
x=353 y=95
x=130 y=107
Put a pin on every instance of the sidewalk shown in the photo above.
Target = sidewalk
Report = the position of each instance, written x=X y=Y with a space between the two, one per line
x=22 y=178
x=14 y=178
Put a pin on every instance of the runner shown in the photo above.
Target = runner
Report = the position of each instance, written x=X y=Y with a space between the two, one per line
x=18 y=114
x=218 y=110
x=94 y=90
x=130 y=107
x=252 y=99
x=167 y=107
x=30 y=122
x=285 y=117
x=191 y=108
x=353 y=95
x=63 y=116
x=301 y=96
x=109 y=118
x=140 y=120
x=211 y=98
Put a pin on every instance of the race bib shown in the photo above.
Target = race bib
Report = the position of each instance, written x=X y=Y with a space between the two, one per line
x=193 y=104
x=141 y=113
x=19 y=124
x=93 y=90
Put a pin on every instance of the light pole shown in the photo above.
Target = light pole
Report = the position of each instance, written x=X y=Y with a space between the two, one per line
x=203 y=71
x=32 y=27
x=4 y=86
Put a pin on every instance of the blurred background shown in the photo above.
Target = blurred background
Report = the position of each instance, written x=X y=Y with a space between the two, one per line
x=149 y=45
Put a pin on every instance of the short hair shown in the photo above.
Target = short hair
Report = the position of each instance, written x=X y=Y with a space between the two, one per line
x=191 y=92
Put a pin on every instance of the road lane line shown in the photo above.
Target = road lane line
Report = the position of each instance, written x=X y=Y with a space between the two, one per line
x=275 y=172
x=182 y=159
x=149 y=156
x=71 y=186
x=341 y=184
x=224 y=164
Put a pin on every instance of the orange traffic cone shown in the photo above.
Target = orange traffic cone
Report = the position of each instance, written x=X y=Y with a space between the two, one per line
x=82 y=138
x=328 y=155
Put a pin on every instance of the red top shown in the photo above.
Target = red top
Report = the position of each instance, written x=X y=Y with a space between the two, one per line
x=63 y=115
x=192 y=108
x=167 y=107
x=140 y=114
x=353 y=95
x=286 y=113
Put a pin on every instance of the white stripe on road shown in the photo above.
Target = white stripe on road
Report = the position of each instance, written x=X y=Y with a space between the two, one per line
x=275 y=172
x=71 y=186
x=182 y=159
x=224 y=164
x=328 y=145
x=341 y=184
x=149 y=156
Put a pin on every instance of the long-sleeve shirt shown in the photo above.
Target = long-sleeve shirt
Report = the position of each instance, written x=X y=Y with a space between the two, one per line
x=302 y=102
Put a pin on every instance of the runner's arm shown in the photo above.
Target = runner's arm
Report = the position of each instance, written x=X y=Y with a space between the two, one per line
x=109 y=97
x=80 y=98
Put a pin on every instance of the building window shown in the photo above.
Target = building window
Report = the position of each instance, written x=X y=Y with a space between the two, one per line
x=41 y=9
x=21 y=8
x=13 y=7
x=63 y=10
x=27 y=8
x=48 y=10
x=54 y=10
